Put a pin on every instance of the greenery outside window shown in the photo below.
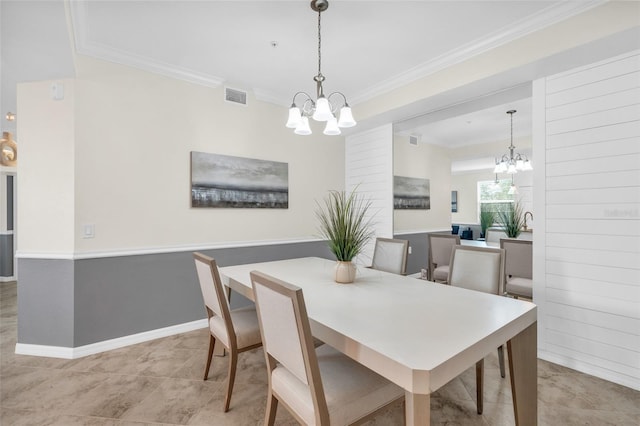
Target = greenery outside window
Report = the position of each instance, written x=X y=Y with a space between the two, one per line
x=494 y=197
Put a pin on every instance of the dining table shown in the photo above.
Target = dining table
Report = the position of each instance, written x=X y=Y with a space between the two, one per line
x=416 y=333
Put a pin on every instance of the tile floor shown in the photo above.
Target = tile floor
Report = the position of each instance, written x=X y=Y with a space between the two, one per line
x=159 y=382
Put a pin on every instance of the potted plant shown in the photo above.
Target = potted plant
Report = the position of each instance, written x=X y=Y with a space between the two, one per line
x=487 y=217
x=346 y=227
x=511 y=219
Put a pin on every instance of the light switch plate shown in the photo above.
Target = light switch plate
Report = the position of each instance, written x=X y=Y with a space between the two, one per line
x=88 y=231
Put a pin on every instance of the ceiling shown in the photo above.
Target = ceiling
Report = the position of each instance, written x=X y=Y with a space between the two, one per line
x=270 y=47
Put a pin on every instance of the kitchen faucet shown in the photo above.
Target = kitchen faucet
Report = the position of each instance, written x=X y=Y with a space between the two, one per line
x=525 y=219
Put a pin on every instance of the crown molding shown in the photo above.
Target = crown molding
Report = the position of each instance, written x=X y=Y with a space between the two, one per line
x=79 y=18
x=542 y=19
x=270 y=97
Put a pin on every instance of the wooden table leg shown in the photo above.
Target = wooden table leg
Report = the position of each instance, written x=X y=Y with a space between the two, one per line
x=523 y=367
x=417 y=409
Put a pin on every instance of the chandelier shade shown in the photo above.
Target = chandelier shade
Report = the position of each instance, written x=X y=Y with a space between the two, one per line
x=512 y=163
x=323 y=108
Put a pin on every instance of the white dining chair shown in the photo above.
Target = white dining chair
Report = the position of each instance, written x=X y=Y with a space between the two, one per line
x=439 y=255
x=518 y=267
x=237 y=330
x=493 y=235
x=317 y=386
x=390 y=255
x=479 y=269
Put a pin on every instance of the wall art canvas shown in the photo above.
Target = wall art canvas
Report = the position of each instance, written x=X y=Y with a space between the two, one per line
x=411 y=193
x=226 y=181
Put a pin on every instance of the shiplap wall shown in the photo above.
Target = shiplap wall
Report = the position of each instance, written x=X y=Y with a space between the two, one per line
x=369 y=167
x=587 y=257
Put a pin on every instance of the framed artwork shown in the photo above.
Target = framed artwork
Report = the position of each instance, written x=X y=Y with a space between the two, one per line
x=454 y=201
x=411 y=193
x=237 y=182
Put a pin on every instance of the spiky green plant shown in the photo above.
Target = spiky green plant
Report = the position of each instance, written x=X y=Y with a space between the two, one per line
x=487 y=217
x=344 y=223
x=512 y=219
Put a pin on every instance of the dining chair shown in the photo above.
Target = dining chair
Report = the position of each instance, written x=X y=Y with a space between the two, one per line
x=479 y=269
x=390 y=255
x=518 y=267
x=493 y=235
x=439 y=255
x=237 y=330
x=318 y=386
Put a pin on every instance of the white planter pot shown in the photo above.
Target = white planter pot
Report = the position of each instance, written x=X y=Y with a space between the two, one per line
x=345 y=272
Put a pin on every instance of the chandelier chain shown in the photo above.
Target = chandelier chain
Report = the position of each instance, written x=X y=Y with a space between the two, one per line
x=319 y=45
x=511 y=134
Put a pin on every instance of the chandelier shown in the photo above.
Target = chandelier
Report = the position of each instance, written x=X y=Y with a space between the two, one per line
x=323 y=108
x=510 y=163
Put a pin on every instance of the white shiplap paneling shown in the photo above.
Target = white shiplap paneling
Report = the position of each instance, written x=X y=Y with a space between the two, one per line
x=369 y=167
x=590 y=252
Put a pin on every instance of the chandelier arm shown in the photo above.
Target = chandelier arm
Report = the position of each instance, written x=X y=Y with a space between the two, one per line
x=293 y=101
x=344 y=98
x=308 y=107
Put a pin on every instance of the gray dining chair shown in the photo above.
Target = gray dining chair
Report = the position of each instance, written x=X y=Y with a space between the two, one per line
x=439 y=255
x=237 y=330
x=479 y=269
x=390 y=255
x=318 y=386
x=518 y=267
x=493 y=235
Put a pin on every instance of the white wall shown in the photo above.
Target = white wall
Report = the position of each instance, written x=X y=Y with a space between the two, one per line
x=467 y=186
x=120 y=161
x=427 y=162
x=587 y=244
x=46 y=168
x=368 y=168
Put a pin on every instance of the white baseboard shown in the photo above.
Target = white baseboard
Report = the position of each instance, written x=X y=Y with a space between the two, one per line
x=107 y=345
x=591 y=369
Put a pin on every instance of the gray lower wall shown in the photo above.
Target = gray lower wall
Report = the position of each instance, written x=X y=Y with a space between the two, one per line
x=419 y=257
x=6 y=255
x=45 y=302
x=73 y=303
x=419 y=250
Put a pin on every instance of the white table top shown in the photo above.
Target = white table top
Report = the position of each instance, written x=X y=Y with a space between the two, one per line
x=416 y=333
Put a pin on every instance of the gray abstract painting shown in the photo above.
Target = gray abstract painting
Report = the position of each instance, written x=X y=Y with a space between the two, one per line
x=226 y=181
x=411 y=193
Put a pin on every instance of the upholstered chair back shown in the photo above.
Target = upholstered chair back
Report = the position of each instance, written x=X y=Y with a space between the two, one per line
x=477 y=268
x=519 y=257
x=439 y=255
x=390 y=255
x=215 y=298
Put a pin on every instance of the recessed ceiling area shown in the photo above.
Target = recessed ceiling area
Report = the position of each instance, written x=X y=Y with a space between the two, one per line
x=479 y=127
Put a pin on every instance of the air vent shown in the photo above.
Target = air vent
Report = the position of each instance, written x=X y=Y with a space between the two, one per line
x=414 y=139
x=235 y=96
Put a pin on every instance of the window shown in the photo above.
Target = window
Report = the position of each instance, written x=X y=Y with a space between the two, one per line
x=494 y=197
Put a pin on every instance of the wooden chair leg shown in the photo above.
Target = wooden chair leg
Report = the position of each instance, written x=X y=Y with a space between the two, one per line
x=233 y=362
x=272 y=407
x=212 y=344
x=479 y=384
x=501 y=360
